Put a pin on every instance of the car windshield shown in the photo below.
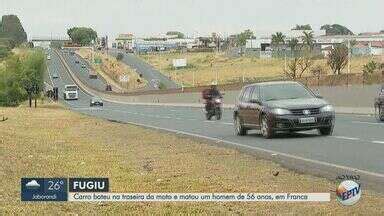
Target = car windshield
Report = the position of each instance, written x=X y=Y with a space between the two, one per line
x=71 y=88
x=284 y=92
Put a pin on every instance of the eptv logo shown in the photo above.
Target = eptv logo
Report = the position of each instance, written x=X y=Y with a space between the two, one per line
x=88 y=185
x=348 y=192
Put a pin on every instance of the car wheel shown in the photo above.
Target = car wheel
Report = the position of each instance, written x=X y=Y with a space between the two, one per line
x=265 y=128
x=326 y=131
x=239 y=128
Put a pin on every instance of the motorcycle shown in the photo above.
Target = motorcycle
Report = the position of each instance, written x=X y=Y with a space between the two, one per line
x=213 y=107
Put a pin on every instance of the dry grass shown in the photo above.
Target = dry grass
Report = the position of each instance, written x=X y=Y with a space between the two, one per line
x=52 y=142
x=202 y=72
x=111 y=70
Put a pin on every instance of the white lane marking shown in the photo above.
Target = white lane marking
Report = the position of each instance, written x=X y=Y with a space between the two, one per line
x=380 y=175
x=370 y=123
x=246 y=146
x=378 y=142
x=227 y=123
x=346 y=138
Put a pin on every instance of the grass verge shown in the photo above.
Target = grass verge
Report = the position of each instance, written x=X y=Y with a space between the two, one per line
x=112 y=69
x=51 y=141
x=204 y=67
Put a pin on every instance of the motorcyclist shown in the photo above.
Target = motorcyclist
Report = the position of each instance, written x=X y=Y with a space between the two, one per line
x=210 y=94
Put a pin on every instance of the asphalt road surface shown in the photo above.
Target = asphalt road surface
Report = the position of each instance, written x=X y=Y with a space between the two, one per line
x=147 y=71
x=357 y=142
x=83 y=72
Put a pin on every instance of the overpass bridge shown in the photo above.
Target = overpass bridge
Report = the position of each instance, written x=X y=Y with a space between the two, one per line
x=45 y=42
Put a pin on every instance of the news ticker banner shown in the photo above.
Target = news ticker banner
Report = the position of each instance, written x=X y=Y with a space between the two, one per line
x=97 y=190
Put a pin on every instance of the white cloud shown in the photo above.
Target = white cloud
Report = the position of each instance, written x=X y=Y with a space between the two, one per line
x=32 y=183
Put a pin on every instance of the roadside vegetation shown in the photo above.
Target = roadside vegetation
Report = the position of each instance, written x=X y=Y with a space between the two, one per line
x=21 y=69
x=22 y=77
x=203 y=68
x=112 y=70
x=59 y=144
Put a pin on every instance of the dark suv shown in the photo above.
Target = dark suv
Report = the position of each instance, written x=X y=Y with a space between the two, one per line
x=281 y=106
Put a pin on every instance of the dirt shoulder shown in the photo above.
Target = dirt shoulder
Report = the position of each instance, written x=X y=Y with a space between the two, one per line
x=51 y=141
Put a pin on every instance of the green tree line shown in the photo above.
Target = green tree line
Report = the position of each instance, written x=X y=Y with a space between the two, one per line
x=22 y=78
x=12 y=34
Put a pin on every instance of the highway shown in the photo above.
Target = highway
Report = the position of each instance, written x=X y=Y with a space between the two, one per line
x=83 y=72
x=143 y=68
x=356 y=147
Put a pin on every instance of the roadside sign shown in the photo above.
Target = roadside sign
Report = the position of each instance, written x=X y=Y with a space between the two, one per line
x=179 y=63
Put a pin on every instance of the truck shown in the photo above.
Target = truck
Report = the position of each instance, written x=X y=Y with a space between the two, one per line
x=71 y=92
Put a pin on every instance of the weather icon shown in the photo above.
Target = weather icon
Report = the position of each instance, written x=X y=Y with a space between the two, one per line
x=32 y=185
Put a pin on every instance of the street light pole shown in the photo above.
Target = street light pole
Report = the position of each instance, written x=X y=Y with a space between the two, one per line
x=349 y=60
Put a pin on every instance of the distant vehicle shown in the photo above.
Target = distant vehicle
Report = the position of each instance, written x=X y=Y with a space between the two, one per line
x=55 y=75
x=48 y=57
x=155 y=83
x=281 y=106
x=92 y=74
x=108 y=87
x=77 y=61
x=71 y=92
x=96 y=101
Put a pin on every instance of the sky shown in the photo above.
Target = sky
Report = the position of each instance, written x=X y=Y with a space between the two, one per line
x=193 y=17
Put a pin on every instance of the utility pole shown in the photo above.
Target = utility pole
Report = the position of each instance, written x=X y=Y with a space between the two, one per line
x=349 y=60
x=285 y=60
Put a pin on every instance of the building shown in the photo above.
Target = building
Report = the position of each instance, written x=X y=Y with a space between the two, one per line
x=362 y=44
x=124 y=41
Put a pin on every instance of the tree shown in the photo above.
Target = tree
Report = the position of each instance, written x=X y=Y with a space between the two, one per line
x=4 y=52
x=241 y=39
x=278 y=38
x=292 y=43
x=32 y=75
x=308 y=39
x=12 y=29
x=302 y=27
x=298 y=66
x=338 y=58
x=82 y=35
x=11 y=92
x=179 y=34
x=119 y=56
x=336 y=29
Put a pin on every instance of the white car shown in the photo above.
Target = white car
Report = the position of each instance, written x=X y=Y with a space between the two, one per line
x=71 y=92
x=48 y=57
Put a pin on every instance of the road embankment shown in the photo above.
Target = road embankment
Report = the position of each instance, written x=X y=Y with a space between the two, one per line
x=346 y=99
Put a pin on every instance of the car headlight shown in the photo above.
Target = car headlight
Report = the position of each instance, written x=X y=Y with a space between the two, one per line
x=327 y=108
x=279 y=111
